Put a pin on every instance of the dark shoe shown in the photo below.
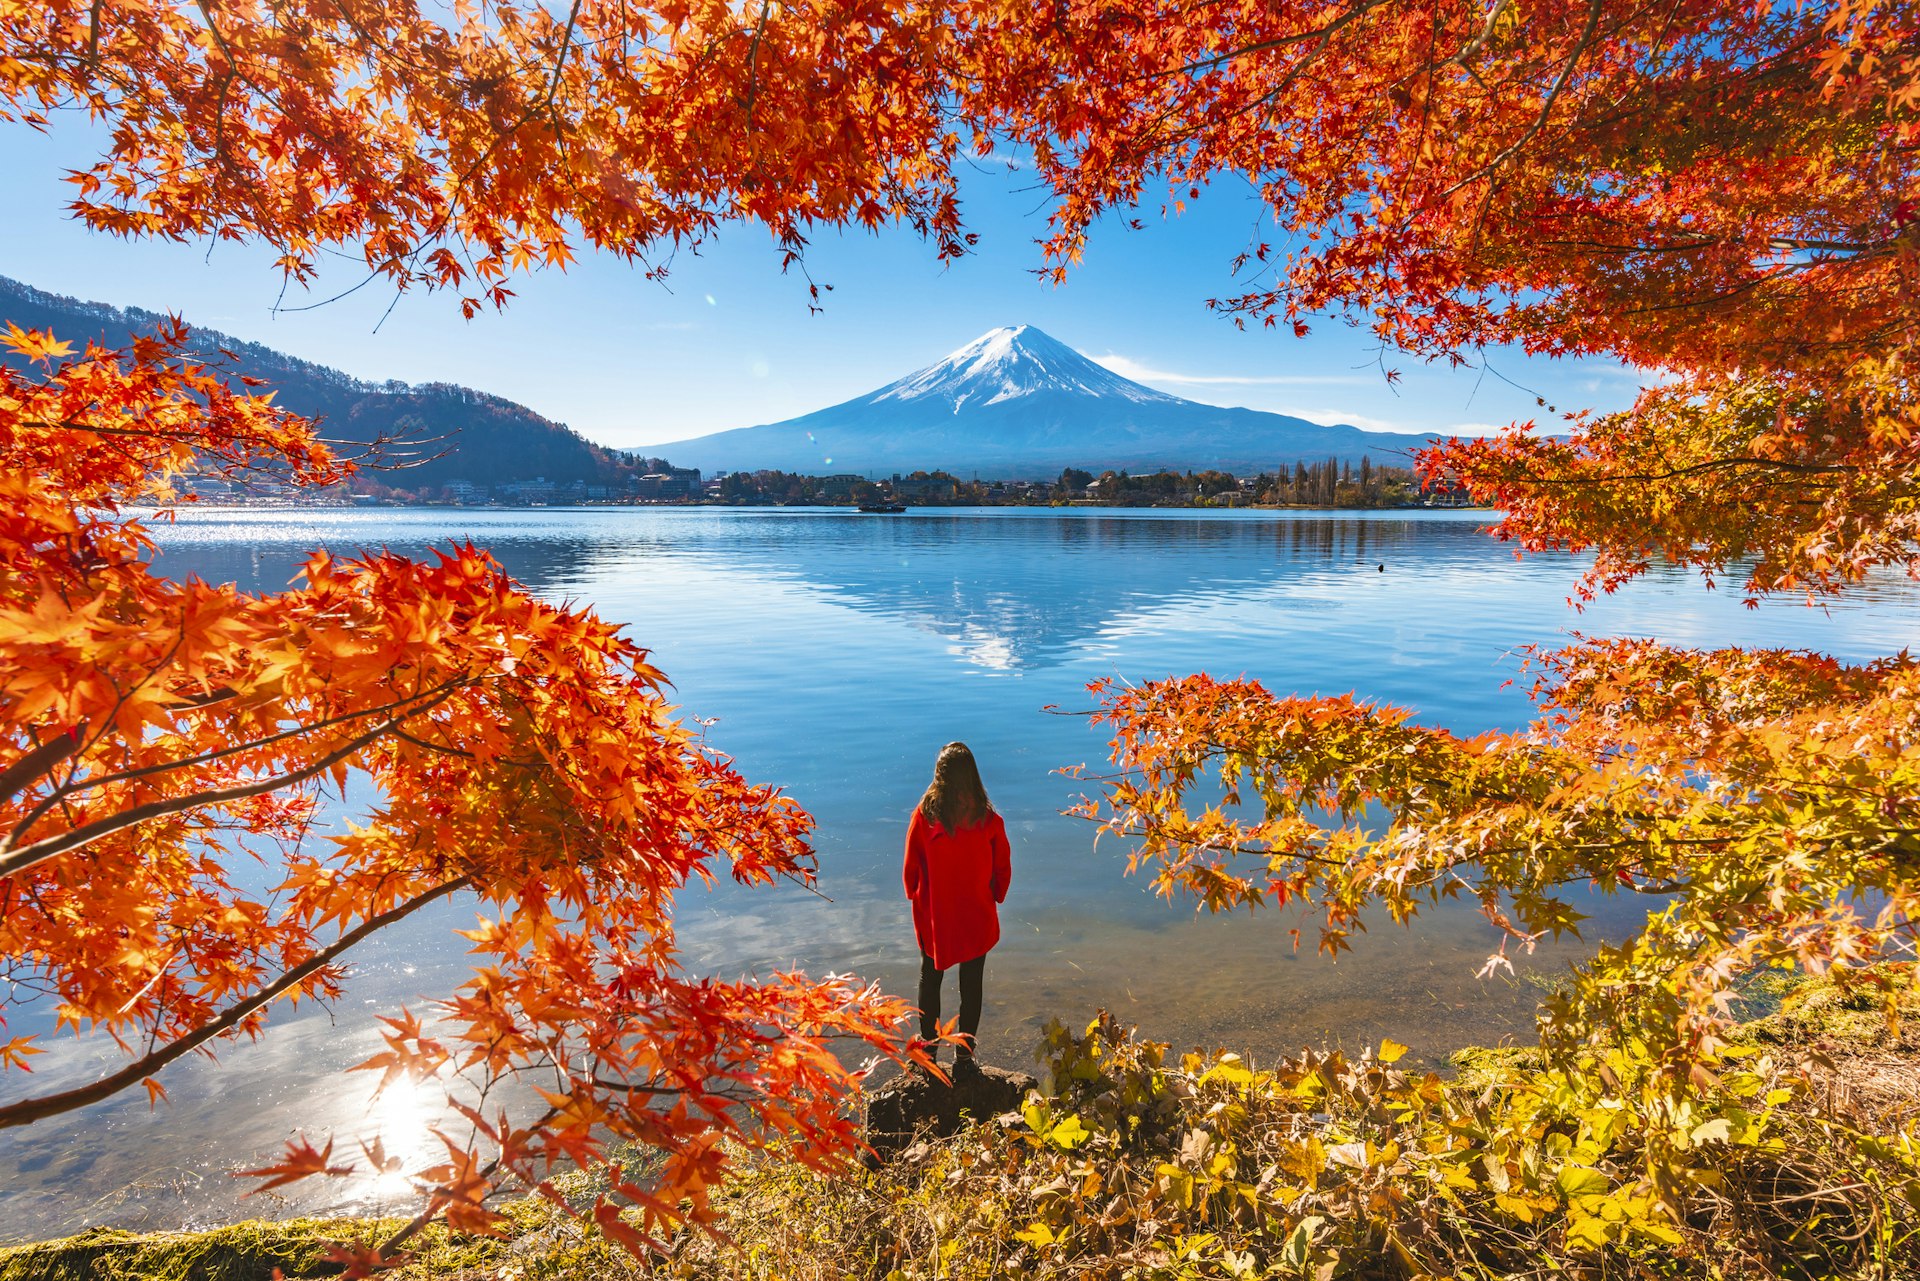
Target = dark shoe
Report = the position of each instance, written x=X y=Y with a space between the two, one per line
x=964 y=1068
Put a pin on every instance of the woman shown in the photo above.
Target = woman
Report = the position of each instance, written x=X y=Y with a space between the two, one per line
x=957 y=869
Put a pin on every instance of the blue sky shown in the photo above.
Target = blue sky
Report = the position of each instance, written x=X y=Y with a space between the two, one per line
x=727 y=341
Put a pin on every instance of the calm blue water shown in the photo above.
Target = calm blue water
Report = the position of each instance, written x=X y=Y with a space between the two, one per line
x=837 y=652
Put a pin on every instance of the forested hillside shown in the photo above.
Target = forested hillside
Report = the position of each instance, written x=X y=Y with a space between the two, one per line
x=457 y=433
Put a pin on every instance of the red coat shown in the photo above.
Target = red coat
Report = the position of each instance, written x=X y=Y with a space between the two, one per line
x=953 y=880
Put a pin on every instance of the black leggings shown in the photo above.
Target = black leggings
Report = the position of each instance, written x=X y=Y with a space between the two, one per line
x=971 y=974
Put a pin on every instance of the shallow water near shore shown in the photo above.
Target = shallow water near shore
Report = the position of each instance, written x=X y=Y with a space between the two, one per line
x=837 y=652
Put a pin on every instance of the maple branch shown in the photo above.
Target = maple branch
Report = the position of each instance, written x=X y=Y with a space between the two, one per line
x=36 y=762
x=207 y=758
x=1479 y=42
x=442 y=748
x=560 y=64
x=1683 y=246
x=140 y=433
x=458 y=187
x=1663 y=887
x=380 y=49
x=1235 y=848
x=58 y=796
x=93 y=34
x=212 y=696
x=28 y=1111
x=628 y=1087
x=753 y=63
x=1656 y=46
x=1714 y=464
x=1833 y=246
x=19 y=860
x=106 y=725
x=1320 y=35
x=1742 y=288
x=226 y=82
x=374 y=452
x=383 y=1252
x=1546 y=105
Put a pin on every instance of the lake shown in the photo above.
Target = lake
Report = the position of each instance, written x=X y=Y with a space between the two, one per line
x=837 y=652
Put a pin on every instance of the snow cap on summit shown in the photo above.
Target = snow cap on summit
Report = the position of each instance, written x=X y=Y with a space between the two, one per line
x=1011 y=362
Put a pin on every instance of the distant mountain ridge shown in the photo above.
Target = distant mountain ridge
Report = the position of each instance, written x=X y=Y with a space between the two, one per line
x=486 y=439
x=1018 y=403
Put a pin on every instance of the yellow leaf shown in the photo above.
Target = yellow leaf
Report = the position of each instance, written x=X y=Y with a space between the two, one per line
x=1579 y=1181
x=1718 y=1130
x=1067 y=1135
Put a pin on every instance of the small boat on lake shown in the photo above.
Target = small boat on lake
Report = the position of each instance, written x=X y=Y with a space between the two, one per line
x=889 y=509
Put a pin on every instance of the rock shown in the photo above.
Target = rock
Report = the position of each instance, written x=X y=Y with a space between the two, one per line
x=916 y=1104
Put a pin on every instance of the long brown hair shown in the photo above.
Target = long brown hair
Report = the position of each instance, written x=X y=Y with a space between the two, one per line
x=956 y=798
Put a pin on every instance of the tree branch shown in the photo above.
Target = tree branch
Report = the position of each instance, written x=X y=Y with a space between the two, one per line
x=30 y=1110
x=16 y=776
x=21 y=859
x=207 y=758
x=1546 y=105
x=1479 y=42
x=1713 y=464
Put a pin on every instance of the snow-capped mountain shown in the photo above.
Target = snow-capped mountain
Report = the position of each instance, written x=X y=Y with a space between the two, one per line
x=1006 y=364
x=1016 y=403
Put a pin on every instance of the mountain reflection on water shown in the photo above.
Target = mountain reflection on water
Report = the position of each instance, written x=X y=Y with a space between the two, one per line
x=1009 y=589
x=836 y=652
x=1022 y=594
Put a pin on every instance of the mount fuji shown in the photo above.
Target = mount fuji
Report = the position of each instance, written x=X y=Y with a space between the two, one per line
x=1017 y=404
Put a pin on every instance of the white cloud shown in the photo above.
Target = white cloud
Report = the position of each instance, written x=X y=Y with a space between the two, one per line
x=1127 y=367
x=1324 y=414
x=1220 y=389
x=1005 y=160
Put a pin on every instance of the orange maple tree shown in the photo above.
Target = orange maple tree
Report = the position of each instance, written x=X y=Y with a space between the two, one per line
x=1725 y=197
x=521 y=754
x=161 y=733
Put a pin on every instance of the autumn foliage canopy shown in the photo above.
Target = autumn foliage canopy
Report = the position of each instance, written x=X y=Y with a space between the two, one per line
x=1726 y=197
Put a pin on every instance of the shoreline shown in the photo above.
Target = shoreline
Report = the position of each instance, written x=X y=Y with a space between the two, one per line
x=1000 y=1198
x=840 y=508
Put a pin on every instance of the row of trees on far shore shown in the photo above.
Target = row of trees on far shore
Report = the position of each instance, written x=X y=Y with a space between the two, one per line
x=1331 y=483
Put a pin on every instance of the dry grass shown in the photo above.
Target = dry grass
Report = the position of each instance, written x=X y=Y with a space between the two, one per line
x=1195 y=1168
x=1857 y=1042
